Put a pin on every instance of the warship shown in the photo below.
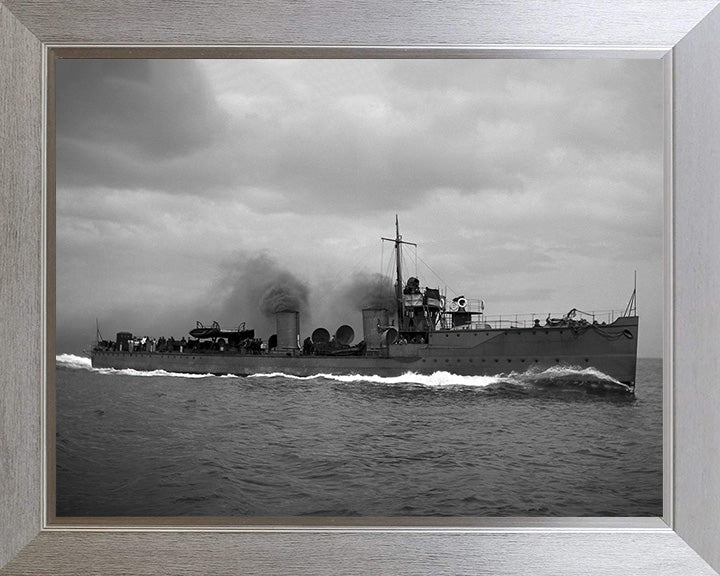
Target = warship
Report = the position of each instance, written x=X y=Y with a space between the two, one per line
x=423 y=332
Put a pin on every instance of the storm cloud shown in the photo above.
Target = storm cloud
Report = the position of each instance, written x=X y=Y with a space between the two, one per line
x=133 y=123
x=533 y=184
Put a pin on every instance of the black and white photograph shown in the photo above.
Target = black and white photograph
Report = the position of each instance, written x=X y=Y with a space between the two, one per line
x=359 y=288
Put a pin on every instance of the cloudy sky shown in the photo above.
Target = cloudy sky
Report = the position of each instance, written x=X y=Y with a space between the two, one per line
x=535 y=185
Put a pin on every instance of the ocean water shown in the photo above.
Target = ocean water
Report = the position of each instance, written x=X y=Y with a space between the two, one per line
x=159 y=444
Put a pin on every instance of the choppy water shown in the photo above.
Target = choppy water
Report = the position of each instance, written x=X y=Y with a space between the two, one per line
x=158 y=444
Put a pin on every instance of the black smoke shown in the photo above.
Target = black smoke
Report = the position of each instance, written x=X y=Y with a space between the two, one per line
x=365 y=290
x=253 y=288
x=284 y=292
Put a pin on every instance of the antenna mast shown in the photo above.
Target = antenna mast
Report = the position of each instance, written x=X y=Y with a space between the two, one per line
x=631 y=308
x=398 y=257
x=398 y=269
x=635 y=295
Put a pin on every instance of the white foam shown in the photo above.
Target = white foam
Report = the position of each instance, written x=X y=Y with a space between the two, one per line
x=282 y=375
x=82 y=363
x=73 y=361
x=563 y=373
x=435 y=380
x=155 y=373
x=572 y=371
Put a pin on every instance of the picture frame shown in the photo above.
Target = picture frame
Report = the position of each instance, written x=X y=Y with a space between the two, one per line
x=685 y=34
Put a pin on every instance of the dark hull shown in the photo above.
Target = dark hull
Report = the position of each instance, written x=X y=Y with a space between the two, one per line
x=610 y=349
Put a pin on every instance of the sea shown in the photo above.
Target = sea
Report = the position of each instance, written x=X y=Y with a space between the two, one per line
x=559 y=443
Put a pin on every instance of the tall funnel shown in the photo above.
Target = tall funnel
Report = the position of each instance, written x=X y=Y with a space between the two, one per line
x=288 y=330
x=372 y=319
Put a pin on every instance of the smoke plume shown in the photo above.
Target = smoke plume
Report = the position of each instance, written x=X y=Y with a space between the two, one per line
x=284 y=292
x=370 y=291
x=255 y=288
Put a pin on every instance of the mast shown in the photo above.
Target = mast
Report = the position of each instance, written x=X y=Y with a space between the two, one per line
x=635 y=294
x=631 y=308
x=398 y=266
x=398 y=241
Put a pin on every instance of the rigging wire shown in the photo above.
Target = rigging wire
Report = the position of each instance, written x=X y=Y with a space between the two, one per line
x=414 y=260
x=385 y=269
x=359 y=264
x=439 y=278
x=382 y=256
x=389 y=270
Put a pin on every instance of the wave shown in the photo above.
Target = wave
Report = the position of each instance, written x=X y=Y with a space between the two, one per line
x=564 y=373
x=571 y=377
x=557 y=377
x=73 y=361
x=82 y=363
x=437 y=379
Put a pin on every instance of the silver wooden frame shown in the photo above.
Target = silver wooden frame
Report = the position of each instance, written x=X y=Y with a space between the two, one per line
x=685 y=33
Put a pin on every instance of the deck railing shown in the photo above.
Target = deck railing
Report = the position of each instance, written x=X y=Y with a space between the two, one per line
x=480 y=320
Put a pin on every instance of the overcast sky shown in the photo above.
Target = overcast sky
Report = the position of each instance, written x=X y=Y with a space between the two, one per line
x=182 y=186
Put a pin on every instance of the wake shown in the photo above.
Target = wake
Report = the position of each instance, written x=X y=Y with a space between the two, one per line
x=82 y=363
x=555 y=377
x=558 y=377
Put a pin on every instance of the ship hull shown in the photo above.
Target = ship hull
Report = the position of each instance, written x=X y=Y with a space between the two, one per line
x=610 y=349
